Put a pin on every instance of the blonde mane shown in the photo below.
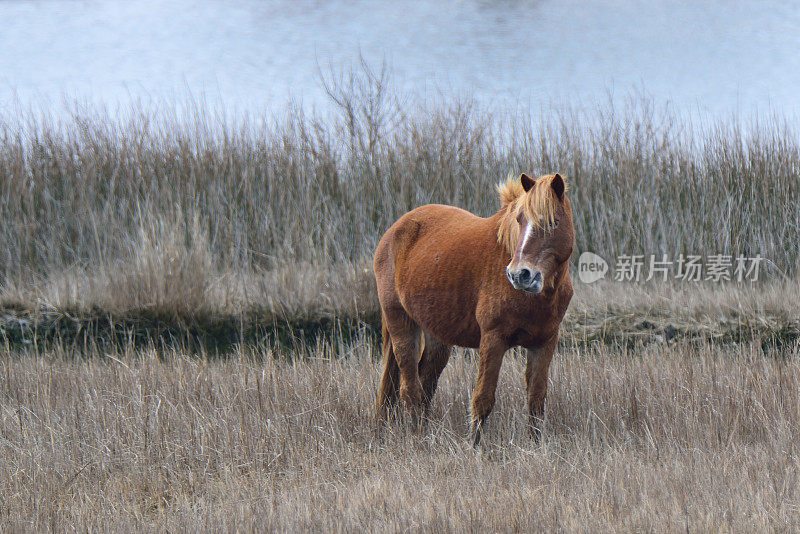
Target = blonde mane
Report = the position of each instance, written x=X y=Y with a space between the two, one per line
x=539 y=205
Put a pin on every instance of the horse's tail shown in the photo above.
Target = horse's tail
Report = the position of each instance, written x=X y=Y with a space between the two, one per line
x=390 y=382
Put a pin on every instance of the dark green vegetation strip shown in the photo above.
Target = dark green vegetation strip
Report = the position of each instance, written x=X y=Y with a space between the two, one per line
x=20 y=329
x=213 y=334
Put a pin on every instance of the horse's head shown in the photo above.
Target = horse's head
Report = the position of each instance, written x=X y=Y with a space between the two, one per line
x=545 y=236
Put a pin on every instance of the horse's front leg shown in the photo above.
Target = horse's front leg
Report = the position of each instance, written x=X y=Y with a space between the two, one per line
x=490 y=354
x=536 y=381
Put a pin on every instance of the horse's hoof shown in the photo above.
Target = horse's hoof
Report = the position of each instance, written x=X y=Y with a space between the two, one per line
x=536 y=430
x=414 y=423
x=475 y=433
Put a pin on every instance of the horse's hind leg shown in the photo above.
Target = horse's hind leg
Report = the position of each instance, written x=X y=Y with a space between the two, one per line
x=433 y=361
x=390 y=381
x=405 y=342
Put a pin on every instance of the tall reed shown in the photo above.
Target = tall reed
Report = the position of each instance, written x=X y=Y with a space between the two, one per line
x=96 y=194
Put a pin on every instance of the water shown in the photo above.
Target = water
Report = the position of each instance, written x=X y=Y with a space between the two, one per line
x=718 y=57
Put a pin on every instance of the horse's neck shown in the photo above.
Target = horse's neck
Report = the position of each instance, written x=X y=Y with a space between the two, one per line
x=492 y=227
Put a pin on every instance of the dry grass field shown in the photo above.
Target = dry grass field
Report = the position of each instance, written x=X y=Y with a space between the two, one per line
x=684 y=437
x=187 y=320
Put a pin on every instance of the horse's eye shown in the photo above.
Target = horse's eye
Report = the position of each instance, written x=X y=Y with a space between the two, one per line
x=553 y=224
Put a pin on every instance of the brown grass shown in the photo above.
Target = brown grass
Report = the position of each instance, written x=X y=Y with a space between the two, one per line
x=688 y=437
x=152 y=211
x=151 y=222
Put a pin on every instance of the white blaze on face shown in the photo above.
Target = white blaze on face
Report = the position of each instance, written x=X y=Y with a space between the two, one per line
x=526 y=236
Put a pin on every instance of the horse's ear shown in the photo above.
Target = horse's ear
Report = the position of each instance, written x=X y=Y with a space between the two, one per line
x=527 y=182
x=558 y=186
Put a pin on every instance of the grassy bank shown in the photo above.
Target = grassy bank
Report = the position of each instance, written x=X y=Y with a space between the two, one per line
x=686 y=437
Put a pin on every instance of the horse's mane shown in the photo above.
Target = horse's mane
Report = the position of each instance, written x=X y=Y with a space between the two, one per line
x=539 y=205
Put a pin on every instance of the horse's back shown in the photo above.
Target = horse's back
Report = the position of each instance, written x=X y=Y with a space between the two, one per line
x=417 y=224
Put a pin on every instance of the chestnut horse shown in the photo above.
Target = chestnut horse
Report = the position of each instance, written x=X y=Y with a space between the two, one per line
x=447 y=277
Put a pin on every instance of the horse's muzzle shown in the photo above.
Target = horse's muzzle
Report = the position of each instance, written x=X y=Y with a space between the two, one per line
x=525 y=279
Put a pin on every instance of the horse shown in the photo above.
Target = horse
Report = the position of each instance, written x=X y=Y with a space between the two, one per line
x=447 y=277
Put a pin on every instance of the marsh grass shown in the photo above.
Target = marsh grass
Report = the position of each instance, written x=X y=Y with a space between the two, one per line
x=654 y=438
x=175 y=214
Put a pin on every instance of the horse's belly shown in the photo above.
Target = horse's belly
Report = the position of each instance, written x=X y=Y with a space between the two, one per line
x=535 y=337
x=446 y=314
